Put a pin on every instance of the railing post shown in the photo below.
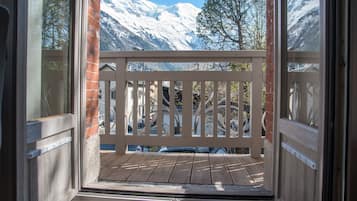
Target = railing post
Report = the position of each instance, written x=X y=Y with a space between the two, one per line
x=228 y=109
x=187 y=110
x=147 y=108
x=120 y=76
x=135 y=107
x=159 y=108
x=203 y=109
x=172 y=107
x=256 y=107
x=107 y=108
x=215 y=110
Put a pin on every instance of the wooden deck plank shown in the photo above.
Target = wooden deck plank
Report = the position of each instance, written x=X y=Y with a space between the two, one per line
x=127 y=168
x=181 y=173
x=146 y=167
x=219 y=172
x=182 y=168
x=107 y=158
x=201 y=173
x=111 y=163
x=239 y=174
x=255 y=168
x=163 y=171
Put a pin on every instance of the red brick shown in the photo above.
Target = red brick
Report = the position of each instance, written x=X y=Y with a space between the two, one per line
x=93 y=50
x=92 y=84
x=93 y=24
x=94 y=13
x=92 y=94
x=92 y=67
x=95 y=4
x=90 y=120
x=92 y=103
x=92 y=130
x=92 y=75
x=269 y=68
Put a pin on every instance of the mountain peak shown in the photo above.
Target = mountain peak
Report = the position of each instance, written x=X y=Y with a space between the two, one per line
x=144 y=24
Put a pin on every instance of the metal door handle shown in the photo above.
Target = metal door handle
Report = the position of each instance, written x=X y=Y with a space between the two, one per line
x=4 y=22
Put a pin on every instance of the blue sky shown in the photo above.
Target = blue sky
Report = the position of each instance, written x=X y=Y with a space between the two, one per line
x=197 y=3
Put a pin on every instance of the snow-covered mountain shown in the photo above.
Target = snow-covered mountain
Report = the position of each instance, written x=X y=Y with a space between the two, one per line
x=141 y=24
x=303 y=25
x=144 y=25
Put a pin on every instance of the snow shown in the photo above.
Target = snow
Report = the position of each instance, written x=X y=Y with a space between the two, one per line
x=144 y=25
x=174 y=25
x=303 y=25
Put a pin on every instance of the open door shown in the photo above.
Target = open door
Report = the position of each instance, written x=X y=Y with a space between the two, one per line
x=52 y=98
x=300 y=99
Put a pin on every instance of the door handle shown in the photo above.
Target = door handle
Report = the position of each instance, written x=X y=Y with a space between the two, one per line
x=4 y=23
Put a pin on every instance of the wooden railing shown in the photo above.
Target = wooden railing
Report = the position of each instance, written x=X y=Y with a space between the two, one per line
x=144 y=83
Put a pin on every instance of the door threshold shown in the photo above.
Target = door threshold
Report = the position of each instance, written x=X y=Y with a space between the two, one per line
x=183 y=191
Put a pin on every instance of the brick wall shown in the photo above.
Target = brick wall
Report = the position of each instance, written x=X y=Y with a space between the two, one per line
x=269 y=104
x=92 y=70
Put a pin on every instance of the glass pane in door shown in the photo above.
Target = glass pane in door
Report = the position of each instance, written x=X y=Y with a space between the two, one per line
x=49 y=61
x=303 y=62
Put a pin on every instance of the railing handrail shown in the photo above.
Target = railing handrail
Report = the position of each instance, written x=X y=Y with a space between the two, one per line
x=182 y=56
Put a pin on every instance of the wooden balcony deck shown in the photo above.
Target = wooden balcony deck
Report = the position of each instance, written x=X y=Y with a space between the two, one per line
x=197 y=172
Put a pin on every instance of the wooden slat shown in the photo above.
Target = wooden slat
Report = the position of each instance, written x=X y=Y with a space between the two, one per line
x=300 y=133
x=303 y=57
x=303 y=77
x=135 y=108
x=299 y=183
x=159 y=108
x=43 y=127
x=181 y=56
x=172 y=108
x=187 y=110
x=240 y=109
x=107 y=107
x=203 y=109
x=238 y=172
x=147 y=108
x=181 y=173
x=228 y=109
x=302 y=111
x=215 y=111
x=219 y=173
x=201 y=173
x=256 y=107
x=163 y=171
x=120 y=105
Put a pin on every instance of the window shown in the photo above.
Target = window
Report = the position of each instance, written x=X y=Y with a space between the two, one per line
x=49 y=62
x=302 y=66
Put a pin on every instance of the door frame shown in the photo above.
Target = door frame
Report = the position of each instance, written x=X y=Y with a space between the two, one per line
x=13 y=180
x=350 y=177
x=325 y=92
x=22 y=169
